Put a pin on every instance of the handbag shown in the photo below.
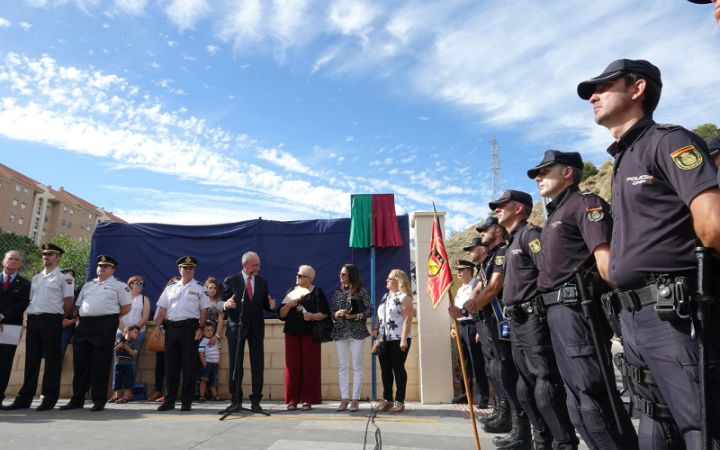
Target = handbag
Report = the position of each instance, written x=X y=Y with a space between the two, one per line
x=379 y=346
x=155 y=341
x=322 y=330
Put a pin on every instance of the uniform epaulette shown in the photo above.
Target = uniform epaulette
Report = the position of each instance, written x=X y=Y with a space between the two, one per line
x=667 y=126
x=173 y=281
x=586 y=192
x=199 y=283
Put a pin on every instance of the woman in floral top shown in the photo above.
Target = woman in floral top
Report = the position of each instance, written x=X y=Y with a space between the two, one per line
x=351 y=308
x=394 y=323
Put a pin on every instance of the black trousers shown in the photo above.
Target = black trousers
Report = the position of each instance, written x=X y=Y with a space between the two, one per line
x=392 y=367
x=475 y=362
x=42 y=342
x=159 y=371
x=499 y=363
x=181 y=355
x=588 y=402
x=7 y=354
x=254 y=339
x=93 y=345
x=539 y=387
x=671 y=354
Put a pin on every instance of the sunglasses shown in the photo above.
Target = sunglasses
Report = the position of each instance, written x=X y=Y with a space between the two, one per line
x=138 y=283
x=343 y=274
x=301 y=275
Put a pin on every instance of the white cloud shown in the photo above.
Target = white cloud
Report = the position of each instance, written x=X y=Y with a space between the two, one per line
x=212 y=49
x=242 y=23
x=172 y=43
x=284 y=160
x=132 y=7
x=352 y=17
x=186 y=13
x=4 y=23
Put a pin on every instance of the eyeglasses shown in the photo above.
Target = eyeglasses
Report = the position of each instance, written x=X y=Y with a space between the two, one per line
x=138 y=283
x=343 y=274
x=301 y=275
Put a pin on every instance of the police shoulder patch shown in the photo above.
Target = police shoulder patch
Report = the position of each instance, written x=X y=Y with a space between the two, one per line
x=595 y=214
x=127 y=289
x=687 y=158
x=499 y=260
x=535 y=245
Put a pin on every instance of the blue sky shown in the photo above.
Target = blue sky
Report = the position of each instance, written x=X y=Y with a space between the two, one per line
x=199 y=111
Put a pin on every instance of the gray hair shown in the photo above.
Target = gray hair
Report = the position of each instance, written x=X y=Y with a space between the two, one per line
x=10 y=252
x=247 y=255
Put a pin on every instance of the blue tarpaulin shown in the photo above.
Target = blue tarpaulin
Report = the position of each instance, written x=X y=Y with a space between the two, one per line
x=151 y=250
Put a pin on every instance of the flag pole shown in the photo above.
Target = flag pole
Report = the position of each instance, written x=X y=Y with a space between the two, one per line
x=468 y=391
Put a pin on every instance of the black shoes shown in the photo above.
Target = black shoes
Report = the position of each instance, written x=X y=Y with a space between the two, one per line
x=70 y=405
x=255 y=407
x=97 y=407
x=13 y=406
x=186 y=407
x=166 y=406
x=460 y=399
x=45 y=406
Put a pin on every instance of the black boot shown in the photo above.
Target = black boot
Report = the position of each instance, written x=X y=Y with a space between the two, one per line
x=493 y=415
x=519 y=438
x=502 y=422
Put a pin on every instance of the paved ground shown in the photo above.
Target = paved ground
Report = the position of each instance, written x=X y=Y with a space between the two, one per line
x=137 y=425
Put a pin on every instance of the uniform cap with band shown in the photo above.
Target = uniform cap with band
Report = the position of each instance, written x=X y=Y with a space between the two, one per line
x=557 y=157
x=618 y=68
x=104 y=260
x=52 y=248
x=464 y=264
x=187 y=261
x=489 y=222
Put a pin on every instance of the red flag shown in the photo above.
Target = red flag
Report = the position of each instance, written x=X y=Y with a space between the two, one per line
x=439 y=274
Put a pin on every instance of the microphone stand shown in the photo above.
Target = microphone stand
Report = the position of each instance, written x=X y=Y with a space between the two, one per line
x=236 y=403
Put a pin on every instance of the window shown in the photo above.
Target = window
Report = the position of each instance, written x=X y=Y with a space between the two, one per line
x=20 y=221
x=15 y=202
x=71 y=211
x=65 y=208
x=62 y=223
x=23 y=205
x=25 y=190
x=12 y=218
x=18 y=188
x=89 y=216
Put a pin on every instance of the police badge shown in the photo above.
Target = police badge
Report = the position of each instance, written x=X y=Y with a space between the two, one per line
x=687 y=158
x=534 y=245
x=595 y=214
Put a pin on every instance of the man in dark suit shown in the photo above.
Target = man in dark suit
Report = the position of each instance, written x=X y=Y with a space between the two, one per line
x=14 y=298
x=244 y=297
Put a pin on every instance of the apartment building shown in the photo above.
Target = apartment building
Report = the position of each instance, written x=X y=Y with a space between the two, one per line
x=30 y=208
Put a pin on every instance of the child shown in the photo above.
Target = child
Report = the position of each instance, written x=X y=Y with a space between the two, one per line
x=209 y=357
x=125 y=351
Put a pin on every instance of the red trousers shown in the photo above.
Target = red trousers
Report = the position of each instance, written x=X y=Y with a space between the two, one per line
x=302 y=369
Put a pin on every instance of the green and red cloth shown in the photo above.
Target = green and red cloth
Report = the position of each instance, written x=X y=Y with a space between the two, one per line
x=373 y=222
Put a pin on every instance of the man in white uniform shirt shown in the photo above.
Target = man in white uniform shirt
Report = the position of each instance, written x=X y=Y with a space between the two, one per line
x=51 y=296
x=183 y=308
x=100 y=304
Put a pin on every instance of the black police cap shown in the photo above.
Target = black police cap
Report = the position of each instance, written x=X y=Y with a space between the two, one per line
x=617 y=68
x=511 y=195
x=464 y=264
x=474 y=243
x=489 y=222
x=187 y=261
x=700 y=2
x=104 y=260
x=713 y=146
x=52 y=248
x=554 y=157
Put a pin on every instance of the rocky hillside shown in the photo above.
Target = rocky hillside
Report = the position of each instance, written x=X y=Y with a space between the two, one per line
x=599 y=184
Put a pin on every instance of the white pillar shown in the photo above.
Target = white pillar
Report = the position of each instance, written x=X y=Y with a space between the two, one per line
x=433 y=335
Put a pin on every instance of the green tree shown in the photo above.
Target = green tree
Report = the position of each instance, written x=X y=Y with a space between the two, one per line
x=707 y=131
x=589 y=170
x=31 y=252
x=76 y=255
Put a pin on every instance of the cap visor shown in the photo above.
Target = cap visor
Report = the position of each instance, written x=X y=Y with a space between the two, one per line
x=587 y=88
x=532 y=173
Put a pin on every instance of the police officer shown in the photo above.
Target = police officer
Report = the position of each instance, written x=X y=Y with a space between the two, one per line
x=14 y=298
x=99 y=306
x=494 y=331
x=539 y=386
x=51 y=296
x=185 y=305
x=665 y=201
x=576 y=237
x=471 y=348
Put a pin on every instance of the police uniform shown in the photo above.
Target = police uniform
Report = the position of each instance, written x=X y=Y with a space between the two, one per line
x=497 y=348
x=658 y=171
x=472 y=351
x=44 y=328
x=660 y=166
x=539 y=387
x=183 y=303
x=577 y=223
x=98 y=307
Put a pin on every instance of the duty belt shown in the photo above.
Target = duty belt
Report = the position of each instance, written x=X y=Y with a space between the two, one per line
x=566 y=295
x=634 y=299
x=180 y=323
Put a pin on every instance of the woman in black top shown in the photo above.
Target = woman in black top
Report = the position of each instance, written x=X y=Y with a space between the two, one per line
x=303 y=305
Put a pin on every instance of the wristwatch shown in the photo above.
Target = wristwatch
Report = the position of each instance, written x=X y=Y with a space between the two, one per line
x=464 y=312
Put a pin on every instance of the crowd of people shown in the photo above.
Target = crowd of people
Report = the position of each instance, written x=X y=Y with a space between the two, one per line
x=109 y=318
